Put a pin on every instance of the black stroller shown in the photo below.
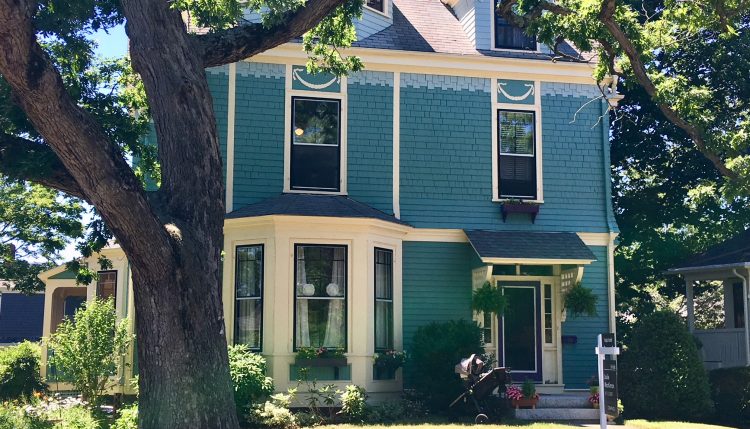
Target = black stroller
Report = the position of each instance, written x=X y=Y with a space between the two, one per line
x=479 y=387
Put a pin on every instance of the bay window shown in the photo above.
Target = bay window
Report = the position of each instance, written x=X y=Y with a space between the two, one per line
x=320 y=296
x=517 y=175
x=383 y=299
x=248 y=295
x=316 y=144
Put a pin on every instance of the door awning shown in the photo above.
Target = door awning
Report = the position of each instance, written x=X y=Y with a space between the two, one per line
x=534 y=248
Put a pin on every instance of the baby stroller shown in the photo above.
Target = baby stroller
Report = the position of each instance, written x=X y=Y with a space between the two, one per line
x=478 y=388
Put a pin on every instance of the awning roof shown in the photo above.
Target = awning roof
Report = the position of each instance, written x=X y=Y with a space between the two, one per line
x=312 y=205
x=731 y=253
x=518 y=247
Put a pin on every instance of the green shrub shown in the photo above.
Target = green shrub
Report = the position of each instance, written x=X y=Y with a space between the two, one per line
x=13 y=417
x=407 y=409
x=78 y=417
x=353 y=404
x=436 y=349
x=662 y=376
x=730 y=390
x=248 y=372
x=127 y=419
x=90 y=348
x=274 y=413
x=19 y=372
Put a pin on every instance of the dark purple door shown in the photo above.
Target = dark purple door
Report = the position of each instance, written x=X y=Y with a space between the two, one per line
x=520 y=342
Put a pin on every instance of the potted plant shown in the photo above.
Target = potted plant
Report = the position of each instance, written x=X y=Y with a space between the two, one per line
x=317 y=357
x=387 y=362
x=579 y=300
x=523 y=397
x=594 y=391
x=520 y=206
x=488 y=299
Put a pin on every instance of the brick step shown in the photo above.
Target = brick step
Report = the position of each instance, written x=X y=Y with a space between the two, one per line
x=578 y=414
x=565 y=400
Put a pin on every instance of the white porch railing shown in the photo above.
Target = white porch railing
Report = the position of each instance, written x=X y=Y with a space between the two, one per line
x=722 y=348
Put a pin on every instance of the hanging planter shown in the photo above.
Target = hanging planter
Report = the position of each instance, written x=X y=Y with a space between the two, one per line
x=580 y=301
x=488 y=299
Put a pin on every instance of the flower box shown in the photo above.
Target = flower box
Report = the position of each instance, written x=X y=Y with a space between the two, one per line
x=509 y=207
x=321 y=362
x=384 y=373
x=524 y=403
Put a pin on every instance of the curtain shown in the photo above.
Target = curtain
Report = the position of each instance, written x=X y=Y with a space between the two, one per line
x=303 y=323
x=334 y=336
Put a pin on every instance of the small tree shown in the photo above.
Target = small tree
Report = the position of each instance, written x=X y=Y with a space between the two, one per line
x=90 y=348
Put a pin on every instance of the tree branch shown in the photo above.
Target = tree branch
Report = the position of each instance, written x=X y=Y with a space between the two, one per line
x=606 y=16
x=239 y=43
x=36 y=162
x=92 y=160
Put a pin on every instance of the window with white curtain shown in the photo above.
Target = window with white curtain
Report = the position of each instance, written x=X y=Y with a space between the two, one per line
x=383 y=299
x=248 y=292
x=320 y=296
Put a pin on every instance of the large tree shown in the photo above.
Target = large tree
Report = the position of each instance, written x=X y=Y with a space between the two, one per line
x=59 y=129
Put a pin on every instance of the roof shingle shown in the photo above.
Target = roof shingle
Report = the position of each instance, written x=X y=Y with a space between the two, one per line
x=529 y=245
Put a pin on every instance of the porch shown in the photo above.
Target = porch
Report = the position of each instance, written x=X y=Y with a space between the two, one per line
x=726 y=343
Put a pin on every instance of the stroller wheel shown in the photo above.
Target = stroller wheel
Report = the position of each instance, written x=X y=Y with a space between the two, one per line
x=481 y=418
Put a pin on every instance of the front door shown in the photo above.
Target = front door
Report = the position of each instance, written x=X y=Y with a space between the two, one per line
x=520 y=346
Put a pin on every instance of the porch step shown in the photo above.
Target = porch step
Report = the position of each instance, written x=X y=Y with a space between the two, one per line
x=566 y=406
x=565 y=400
x=577 y=414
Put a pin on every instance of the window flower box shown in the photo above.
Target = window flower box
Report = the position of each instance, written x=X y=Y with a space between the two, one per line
x=520 y=207
x=308 y=357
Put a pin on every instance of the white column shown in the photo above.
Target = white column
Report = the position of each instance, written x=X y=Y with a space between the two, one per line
x=690 y=303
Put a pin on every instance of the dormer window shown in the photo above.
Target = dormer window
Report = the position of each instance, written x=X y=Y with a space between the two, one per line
x=509 y=37
x=378 y=5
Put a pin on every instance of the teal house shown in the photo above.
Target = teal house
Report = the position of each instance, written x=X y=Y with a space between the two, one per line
x=363 y=207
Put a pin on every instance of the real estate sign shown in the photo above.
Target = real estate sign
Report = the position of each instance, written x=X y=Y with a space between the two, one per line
x=606 y=351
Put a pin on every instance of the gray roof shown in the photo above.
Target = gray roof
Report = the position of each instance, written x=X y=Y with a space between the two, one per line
x=430 y=26
x=734 y=251
x=529 y=245
x=312 y=205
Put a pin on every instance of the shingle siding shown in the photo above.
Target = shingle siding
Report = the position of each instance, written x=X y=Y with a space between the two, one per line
x=370 y=140
x=373 y=22
x=259 y=133
x=465 y=11
x=446 y=158
x=218 y=84
x=579 y=361
x=436 y=285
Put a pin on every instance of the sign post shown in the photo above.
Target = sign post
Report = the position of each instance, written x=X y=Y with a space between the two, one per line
x=606 y=346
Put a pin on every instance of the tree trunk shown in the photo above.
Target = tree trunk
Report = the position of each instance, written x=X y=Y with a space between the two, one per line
x=182 y=357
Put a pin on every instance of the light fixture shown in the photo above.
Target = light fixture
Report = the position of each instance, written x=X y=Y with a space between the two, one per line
x=298 y=131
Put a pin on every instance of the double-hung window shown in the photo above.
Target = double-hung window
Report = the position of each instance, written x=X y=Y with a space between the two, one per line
x=508 y=36
x=248 y=296
x=106 y=284
x=378 y=5
x=383 y=299
x=320 y=296
x=316 y=144
x=517 y=175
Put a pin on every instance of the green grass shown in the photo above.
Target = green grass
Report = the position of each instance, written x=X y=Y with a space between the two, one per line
x=631 y=424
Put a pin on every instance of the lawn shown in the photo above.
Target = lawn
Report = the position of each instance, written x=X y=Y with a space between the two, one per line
x=632 y=424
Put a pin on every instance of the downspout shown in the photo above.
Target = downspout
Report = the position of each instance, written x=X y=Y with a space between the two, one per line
x=609 y=215
x=747 y=328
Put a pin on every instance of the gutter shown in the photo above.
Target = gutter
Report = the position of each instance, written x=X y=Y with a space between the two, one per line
x=747 y=328
x=677 y=271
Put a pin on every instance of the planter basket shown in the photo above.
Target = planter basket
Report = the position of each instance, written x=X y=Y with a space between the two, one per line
x=532 y=209
x=321 y=362
x=524 y=403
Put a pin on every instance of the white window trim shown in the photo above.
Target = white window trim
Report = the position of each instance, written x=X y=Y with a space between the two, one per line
x=537 y=109
x=537 y=50
x=342 y=97
x=261 y=298
x=386 y=4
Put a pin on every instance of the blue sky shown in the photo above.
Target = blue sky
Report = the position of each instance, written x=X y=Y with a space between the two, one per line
x=113 y=43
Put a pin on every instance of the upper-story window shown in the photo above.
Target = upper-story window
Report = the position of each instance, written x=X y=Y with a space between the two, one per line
x=517 y=154
x=106 y=284
x=316 y=144
x=509 y=37
x=378 y=5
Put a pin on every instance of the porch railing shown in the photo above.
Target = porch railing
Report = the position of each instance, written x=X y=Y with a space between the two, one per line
x=722 y=348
